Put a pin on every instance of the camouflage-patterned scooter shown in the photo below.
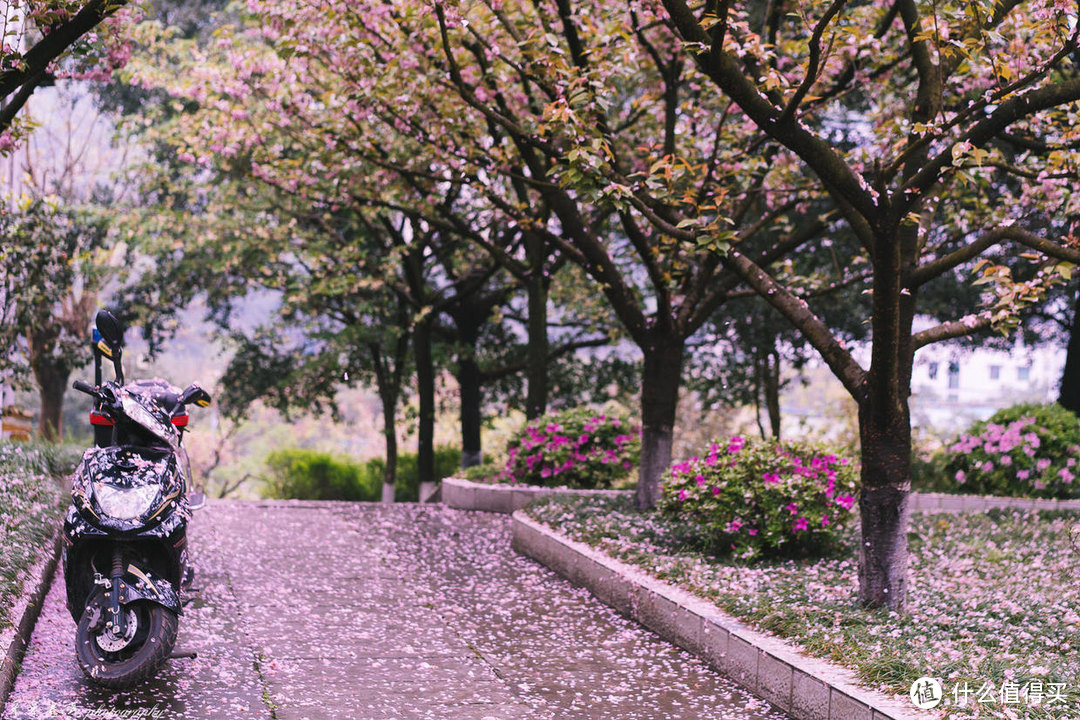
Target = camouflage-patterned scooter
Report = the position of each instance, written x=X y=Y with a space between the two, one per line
x=125 y=534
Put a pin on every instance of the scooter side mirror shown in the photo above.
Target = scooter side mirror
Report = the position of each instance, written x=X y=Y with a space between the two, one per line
x=195 y=394
x=197 y=500
x=113 y=337
x=110 y=329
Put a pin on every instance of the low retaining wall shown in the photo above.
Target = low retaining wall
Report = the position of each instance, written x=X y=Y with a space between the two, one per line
x=13 y=641
x=806 y=688
x=941 y=502
x=490 y=497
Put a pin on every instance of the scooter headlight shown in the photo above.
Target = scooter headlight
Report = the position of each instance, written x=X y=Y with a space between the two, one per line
x=125 y=503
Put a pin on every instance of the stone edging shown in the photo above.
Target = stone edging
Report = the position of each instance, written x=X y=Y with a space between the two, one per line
x=806 y=688
x=464 y=494
x=41 y=573
x=944 y=502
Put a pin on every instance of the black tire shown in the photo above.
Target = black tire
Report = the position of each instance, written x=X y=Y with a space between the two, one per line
x=140 y=659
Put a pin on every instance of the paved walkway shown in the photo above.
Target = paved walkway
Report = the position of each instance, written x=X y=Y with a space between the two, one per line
x=337 y=611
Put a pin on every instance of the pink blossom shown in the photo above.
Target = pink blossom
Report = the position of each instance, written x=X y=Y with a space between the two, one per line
x=846 y=501
x=771 y=478
x=961 y=476
x=800 y=524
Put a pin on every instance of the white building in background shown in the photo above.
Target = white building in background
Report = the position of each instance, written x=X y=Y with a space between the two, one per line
x=951 y=386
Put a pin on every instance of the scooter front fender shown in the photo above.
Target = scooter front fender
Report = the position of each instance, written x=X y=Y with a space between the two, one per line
x=137 y=584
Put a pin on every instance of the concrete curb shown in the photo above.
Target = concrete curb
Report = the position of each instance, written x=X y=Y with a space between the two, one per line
x=806 y=688
x=946 y=503
x=43 y=570
x=462 y=494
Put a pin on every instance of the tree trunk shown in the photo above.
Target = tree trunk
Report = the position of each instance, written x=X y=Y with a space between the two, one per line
x=469 y=316
x=389 y=408
x=1070 y=377
x=885 y=431
x=885 y=435
x=52 y=383
x=772 y=391
x=425 y=388
x=659 y=400
x=469 y=386
x=537 y=367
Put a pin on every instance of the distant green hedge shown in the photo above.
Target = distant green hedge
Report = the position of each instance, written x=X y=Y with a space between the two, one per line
x=407 y=488
x=300 y=474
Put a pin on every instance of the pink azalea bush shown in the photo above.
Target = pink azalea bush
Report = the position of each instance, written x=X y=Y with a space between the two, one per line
x=578 y=448
x=756 y=498
x=1022 y=451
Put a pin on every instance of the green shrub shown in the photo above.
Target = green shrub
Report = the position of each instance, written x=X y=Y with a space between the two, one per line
x=492 y=472
x=32 y=503
x=755 y=498
x=407 y=487
x=577 y=448
x=928 y=474
x=307 y=475
x=61 y=460
x=1023 y=451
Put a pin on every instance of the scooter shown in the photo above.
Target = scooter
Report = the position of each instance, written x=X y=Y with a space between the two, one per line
x=125 y=535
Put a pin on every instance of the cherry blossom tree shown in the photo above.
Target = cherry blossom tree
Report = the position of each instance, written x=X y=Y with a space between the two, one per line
x=589 y=135
x=945 y=135
x=41 y=41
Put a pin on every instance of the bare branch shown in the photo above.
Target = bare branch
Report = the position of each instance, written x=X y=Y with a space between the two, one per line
x=813 y=63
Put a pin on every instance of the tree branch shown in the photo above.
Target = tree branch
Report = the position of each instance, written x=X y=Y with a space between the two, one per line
x=816 y=332
x=813 y=63
x=951 y=330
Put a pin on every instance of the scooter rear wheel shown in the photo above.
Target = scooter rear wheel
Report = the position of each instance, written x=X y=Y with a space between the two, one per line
x=121 y=662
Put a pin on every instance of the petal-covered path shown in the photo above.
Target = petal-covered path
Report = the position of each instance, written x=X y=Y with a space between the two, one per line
x=330 y=611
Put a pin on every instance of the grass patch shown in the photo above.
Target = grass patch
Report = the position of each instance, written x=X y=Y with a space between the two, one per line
x=992 y=598
x=32 y=502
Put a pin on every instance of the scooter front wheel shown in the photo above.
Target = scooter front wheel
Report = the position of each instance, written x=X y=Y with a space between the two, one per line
x=119 y=662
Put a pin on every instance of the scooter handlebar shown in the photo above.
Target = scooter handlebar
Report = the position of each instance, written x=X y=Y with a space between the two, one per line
x=86 y=388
